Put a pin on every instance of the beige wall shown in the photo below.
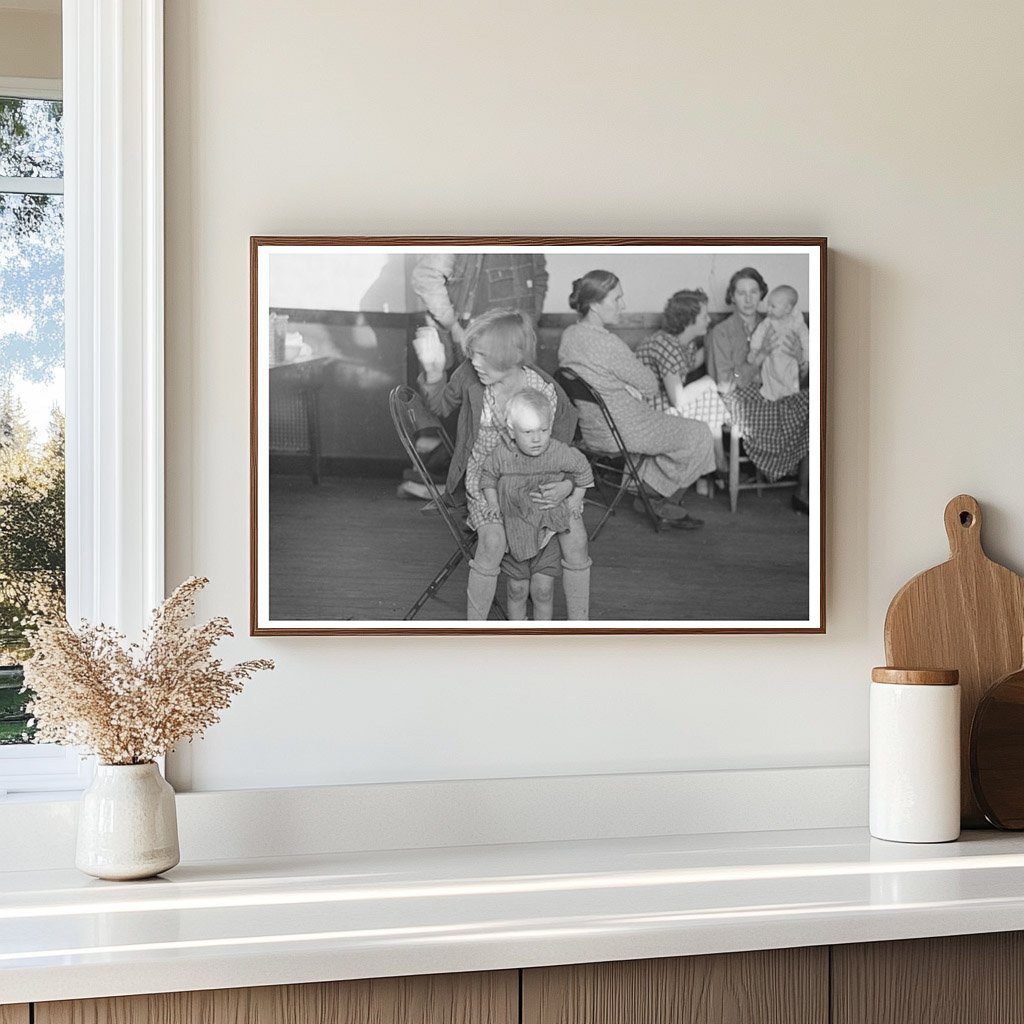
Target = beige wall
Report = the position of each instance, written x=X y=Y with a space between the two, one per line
x=894 y=129
x=29 y=45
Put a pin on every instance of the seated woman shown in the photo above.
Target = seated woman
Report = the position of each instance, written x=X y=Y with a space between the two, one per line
x=775 y=433
x=674 y=356
x=680 y=450
x=500 y=346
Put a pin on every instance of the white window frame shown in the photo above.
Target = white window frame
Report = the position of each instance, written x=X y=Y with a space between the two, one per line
x=32 y=89
x=114 y=336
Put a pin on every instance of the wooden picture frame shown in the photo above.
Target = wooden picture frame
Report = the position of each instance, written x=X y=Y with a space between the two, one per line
x=346 y=535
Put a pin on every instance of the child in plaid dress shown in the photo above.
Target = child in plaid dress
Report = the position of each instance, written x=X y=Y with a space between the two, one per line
x=513 y=470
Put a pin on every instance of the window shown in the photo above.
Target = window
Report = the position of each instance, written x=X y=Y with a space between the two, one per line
x=113 y=308
x=31 y=379
x=31 y=406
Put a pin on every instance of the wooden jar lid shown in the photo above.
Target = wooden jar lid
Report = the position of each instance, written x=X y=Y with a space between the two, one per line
x=918 y=676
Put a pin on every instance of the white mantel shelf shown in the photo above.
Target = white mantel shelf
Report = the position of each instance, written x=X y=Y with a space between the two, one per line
x=225 y=924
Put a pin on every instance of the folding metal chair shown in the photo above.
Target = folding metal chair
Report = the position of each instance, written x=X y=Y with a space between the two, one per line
x=622 y=465
x=411 y=417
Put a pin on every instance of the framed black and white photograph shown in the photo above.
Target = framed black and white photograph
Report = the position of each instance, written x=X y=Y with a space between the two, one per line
x=537 y=435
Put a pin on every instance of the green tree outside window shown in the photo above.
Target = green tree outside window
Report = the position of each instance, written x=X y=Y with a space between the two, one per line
x=31 y=354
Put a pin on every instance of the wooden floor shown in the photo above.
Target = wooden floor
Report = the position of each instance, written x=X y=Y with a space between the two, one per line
x=350 y=549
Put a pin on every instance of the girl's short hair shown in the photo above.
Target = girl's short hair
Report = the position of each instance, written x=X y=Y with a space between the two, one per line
x=505 y=337
x=741 y=275
x=528 y=398
x=682 y=309
x=592 y=287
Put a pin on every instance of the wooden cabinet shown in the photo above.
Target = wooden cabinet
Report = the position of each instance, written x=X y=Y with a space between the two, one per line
x=777 y=986
x=962 y=979
x=967 y=979
x=491 y=998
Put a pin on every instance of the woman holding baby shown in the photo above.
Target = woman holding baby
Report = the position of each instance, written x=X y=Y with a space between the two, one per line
x=761 y=370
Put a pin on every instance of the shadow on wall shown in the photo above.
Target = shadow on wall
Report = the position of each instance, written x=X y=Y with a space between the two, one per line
x=851 y=417
x=336 y=355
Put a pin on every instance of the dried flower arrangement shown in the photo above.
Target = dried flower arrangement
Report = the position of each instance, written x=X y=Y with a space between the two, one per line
x=130 y=704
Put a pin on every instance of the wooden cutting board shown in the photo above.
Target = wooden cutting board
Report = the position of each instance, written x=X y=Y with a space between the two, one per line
x=967 y=614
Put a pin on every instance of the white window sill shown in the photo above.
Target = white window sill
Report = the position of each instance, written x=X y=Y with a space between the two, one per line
x=40 y=797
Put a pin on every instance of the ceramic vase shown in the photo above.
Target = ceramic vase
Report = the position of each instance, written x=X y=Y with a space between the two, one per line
x=127 y=825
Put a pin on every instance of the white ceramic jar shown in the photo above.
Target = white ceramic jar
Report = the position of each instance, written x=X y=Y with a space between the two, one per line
x=915 y=755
